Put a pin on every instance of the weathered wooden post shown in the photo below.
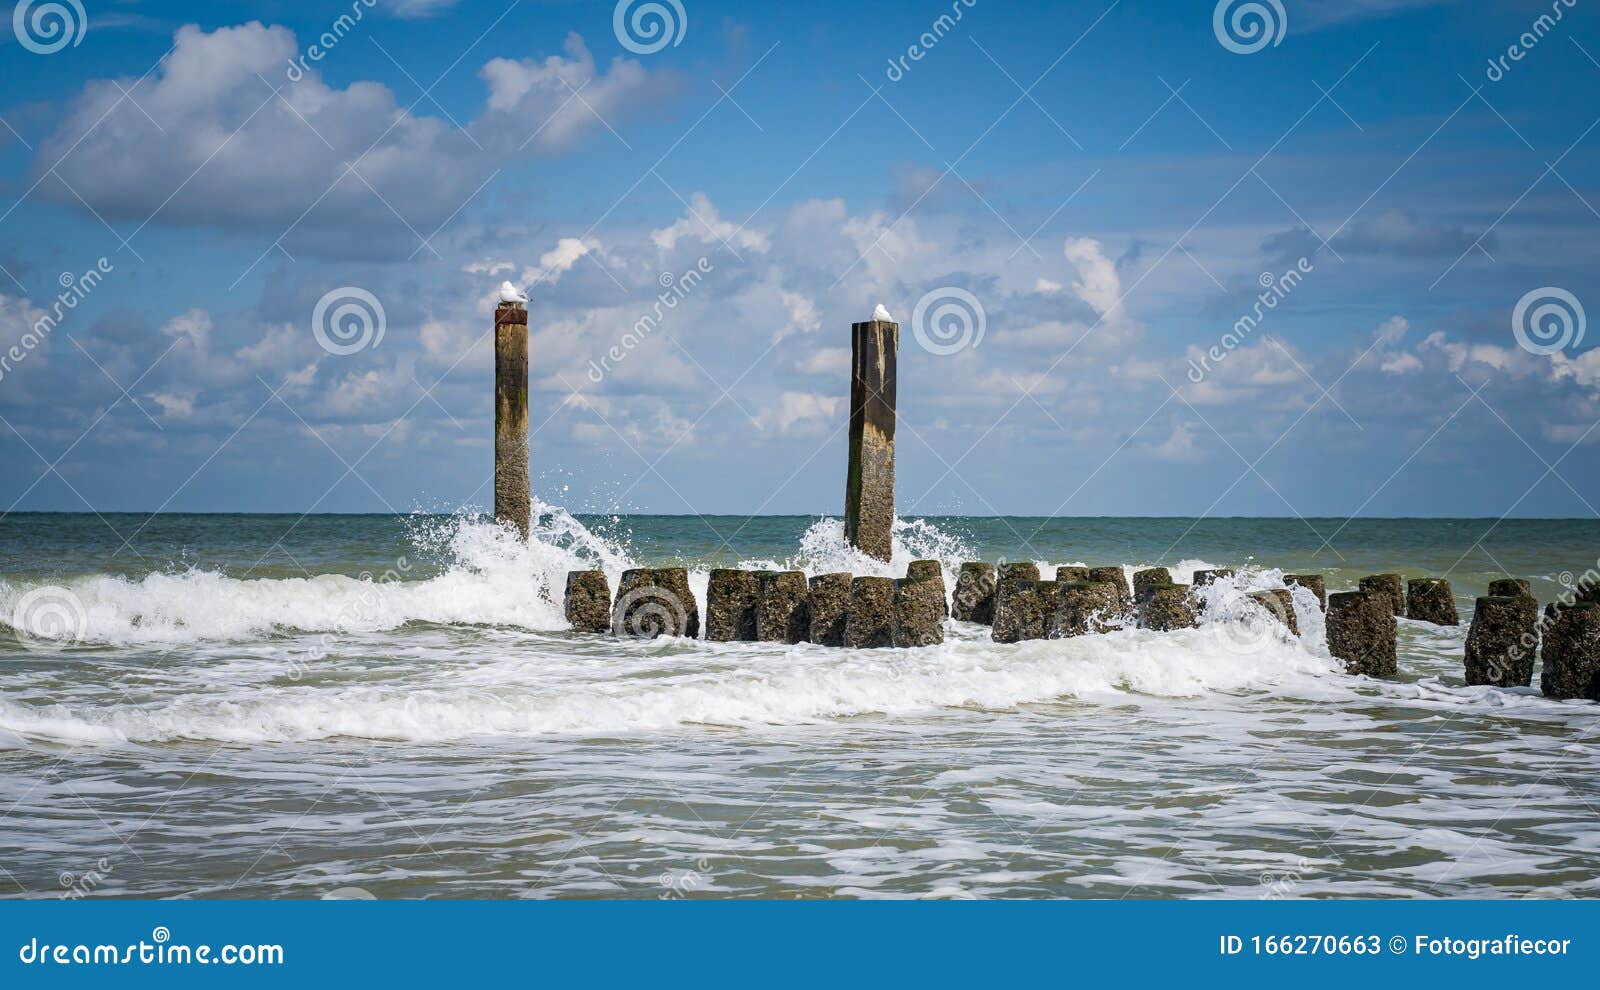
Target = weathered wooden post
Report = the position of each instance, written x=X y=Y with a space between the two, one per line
x=869 y=483
x=974 y=597
x=588 y=601
x=1165 y=606
x=829 y=608
x=1149 y=578
x=731 y=605
x=1572 y=653
x=1279 y=603
x=1361 y=631
x=1502 y=639
x=782 y=613
x=1430 y=600
x=1388 y=584
x=1116 y=577
x=1312 y=582
x=870 y=623
x=512 y=502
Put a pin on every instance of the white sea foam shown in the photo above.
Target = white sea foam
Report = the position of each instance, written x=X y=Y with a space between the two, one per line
x=533 y=693
x=491 y=578
x=520 y=681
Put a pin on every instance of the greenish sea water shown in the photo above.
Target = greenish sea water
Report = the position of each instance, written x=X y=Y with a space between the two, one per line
x=282 y=706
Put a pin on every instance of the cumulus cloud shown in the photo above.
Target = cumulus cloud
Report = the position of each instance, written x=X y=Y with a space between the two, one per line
x=1401 y=364
x=194 y=326
x=549 y=104
x=220 y=148
x=1584 y=370
x=1179 y=445
x=702 y=222
x=1098 y=283
x=1243 y=374
x=1391 y=331
x=1105 y=324
x=797 y=408
x=825 y=361
x=559 y=260
x=803 y=315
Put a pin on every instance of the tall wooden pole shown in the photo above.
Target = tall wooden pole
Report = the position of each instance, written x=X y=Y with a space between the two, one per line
x=512 y=500
x=869 y=484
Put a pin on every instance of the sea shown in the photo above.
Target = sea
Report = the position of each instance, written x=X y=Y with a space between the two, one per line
x=382 y=706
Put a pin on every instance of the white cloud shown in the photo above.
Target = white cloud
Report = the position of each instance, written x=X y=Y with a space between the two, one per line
x=1179 y=445
x=218 y=148
x=1392 y=330
x=1244 y=374
x=559 y=260
x=1401 y=364
x=195 y=325
x=826 y=361
x=173 y=405
x=1583 y=370
x=702 y=222
x=1459 y=356
x=532 y=102
x=803 y=315
x=1098 y=283
x=795 y=408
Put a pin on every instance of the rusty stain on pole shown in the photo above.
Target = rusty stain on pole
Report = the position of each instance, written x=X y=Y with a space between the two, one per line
x=869 y=484
x=512 y=500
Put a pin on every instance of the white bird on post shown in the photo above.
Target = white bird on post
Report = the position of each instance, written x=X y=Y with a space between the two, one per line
x=511 y=294
x=881 y=314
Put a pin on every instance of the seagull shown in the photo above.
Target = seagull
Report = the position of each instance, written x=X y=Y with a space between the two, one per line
x=881 y=314
x=510 y=293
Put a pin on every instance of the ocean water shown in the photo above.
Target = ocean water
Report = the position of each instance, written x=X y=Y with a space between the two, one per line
x=392 y=707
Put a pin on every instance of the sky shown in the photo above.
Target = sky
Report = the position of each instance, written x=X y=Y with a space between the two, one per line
x=1294 y=258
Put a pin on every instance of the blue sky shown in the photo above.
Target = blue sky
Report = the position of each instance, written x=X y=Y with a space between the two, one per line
x=1110 y=184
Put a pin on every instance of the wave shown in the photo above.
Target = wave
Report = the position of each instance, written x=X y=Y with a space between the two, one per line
x=769 y=685
x=490 y=578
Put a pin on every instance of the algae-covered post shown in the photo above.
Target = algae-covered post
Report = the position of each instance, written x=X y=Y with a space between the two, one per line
x=512 y=503
x=869 y=483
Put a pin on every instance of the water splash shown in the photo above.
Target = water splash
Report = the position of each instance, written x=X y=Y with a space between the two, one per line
x=487 y=577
